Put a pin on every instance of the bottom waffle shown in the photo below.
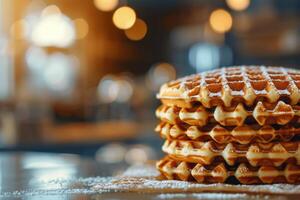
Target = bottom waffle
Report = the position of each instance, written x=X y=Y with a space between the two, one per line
x=220 y=172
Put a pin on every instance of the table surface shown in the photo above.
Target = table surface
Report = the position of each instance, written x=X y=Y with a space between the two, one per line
x=65 y=176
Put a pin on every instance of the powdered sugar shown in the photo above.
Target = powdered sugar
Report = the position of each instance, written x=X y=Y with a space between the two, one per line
x=144 y=181
x=141 y=171
x=202 y=196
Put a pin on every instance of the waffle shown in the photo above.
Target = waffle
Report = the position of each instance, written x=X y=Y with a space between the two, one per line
x=263 y=113
x=233 y=85
x=257 y=154
x=242 y=134
x=219 y=173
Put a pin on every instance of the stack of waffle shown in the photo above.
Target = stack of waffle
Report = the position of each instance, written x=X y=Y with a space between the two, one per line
x=233 y=125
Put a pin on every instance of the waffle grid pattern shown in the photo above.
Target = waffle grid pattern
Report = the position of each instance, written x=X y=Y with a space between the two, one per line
x=279 y=113
x=257 y=154
x=236 y=84
x=244 y=173
x=242 y=134
x=232 y=124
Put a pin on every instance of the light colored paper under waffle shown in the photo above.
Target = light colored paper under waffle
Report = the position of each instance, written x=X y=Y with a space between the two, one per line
x=185 y=171
x=234 y=84
x=279 y=113
x=143 y=179
x=257 y=154
x=241 y=134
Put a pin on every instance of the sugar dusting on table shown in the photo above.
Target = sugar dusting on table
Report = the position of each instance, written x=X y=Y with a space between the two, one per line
x=141 y=170
x=142 y=179
x=203 y=196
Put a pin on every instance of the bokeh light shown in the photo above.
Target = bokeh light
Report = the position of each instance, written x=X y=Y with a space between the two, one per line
x=50 y=10
x=106 y=89
x=137 y=31
x=124 y=17
x=112 y=88
x=60 y=74
x=18 y=29
x=204 y=56
x=36 y=58
x=35 y=6
x=111 y=153
x=125 y=90
x=82 y=28
x=106 y=5
x=220 y=20
x=139 y=154
x=238 y=5
x=159 y=74
x=53 y=30
x=207 y=56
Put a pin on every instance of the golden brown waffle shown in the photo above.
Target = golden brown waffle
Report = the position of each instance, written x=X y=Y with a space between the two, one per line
x=219 y=173
x=279 y=113
x=257 y=154
x=233 y=85
x=241 y=134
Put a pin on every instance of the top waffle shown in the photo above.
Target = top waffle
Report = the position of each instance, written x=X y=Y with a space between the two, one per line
x=233 y=85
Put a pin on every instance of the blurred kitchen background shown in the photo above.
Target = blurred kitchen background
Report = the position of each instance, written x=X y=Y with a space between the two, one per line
x=81 y=76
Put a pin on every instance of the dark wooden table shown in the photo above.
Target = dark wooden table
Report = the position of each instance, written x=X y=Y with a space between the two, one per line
x=65 y=176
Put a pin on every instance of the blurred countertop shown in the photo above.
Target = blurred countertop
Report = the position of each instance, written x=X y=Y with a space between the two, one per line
x=87 y=132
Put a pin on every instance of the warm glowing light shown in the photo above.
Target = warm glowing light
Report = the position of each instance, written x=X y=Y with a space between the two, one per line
x=50 y=10
x=124 y=17
x=137 y=31
x=106 y=5
x=220 y=20
x=18 y=29
x=53 y=30
x=116 y=89
x=164 y=70
x=159 y=74
x=139 y=154
x=36 y=58
x=125 y=90
x=111 y=153
x=82 y=28
x=60 y=74
x=136 y=156
x=238 y=5
x=106 y=89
